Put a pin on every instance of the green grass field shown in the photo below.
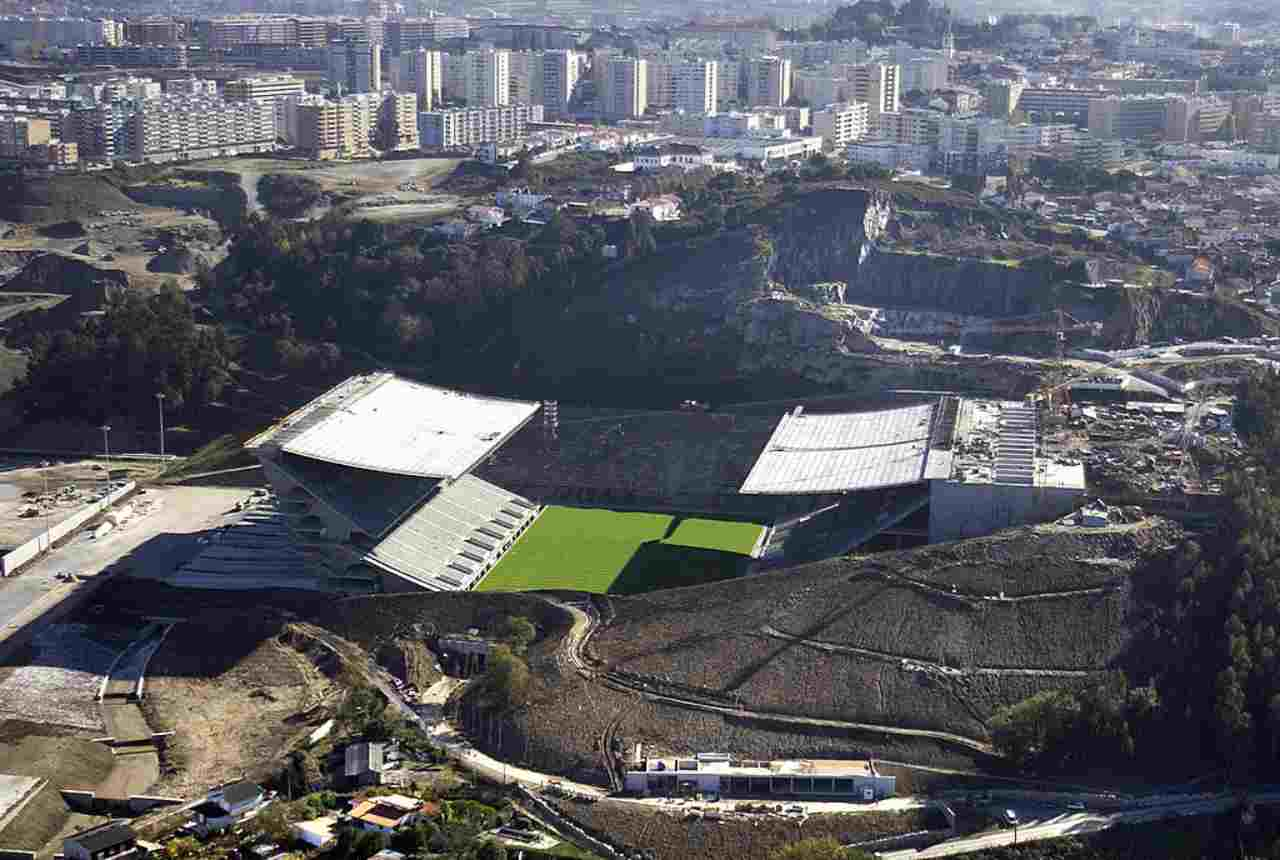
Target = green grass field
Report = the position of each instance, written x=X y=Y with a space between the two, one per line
x=621 y=553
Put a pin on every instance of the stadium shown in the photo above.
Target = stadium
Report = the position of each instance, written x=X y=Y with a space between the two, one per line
x=386 y=485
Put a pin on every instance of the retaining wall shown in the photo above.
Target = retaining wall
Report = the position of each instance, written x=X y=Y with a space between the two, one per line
x=13 y=854
x=24 y=553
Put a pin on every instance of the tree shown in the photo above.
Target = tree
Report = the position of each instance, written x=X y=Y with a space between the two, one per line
x=518 y=632
x=506 y=681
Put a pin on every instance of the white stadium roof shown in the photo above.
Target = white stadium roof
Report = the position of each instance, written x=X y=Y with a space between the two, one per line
x=382 y=423
x=836 y=453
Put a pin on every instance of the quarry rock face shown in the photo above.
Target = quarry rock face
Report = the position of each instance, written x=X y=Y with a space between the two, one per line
x=784 y=321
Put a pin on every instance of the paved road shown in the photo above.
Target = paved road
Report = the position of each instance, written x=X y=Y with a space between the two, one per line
x=1080 y=824
x=153 y=543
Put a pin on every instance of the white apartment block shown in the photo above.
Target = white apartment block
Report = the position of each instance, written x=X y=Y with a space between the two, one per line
x=275 y=90
x=697 y=83
x=420 y=72
x=626 y=90
x=841 y=124
x=560 y=72
x=768 y=81
x=526 y=85
x=458 y=127
x=182 y=128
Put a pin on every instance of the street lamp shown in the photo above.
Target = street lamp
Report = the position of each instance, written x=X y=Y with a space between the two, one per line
x=48 y=502
x=106 y=449
x=160 y=410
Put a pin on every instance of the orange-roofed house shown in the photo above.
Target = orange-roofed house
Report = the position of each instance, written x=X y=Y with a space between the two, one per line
x=388 y=813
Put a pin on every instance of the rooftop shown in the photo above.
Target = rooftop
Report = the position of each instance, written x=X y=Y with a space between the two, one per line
x=727 y=766
x=840 y=452
x=383 y=423
x=999 y=442
x=103 y=836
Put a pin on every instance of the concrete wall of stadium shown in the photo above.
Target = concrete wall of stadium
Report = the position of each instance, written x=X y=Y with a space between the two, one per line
x=958 y=510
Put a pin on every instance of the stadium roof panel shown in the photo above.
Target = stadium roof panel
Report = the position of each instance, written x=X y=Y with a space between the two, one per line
x=386 y=424
x=838 y=453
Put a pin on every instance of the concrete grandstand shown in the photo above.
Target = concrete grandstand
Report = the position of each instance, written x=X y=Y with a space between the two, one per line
x=373 y=483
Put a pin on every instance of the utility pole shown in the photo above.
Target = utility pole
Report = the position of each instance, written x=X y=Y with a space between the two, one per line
x=48 y=544
x=160 y=410
x=106 y=449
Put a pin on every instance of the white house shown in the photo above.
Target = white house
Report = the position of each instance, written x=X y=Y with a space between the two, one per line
x=663 y=208
x=683 y=155
x=227 y=804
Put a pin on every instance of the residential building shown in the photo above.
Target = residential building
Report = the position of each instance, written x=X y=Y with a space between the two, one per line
x=526 y=85
x=408 y=34
x=912 y=126
x=877 y=84
x=419 y=71
x=326 y=130
x=18 y=134
x=399 y=122
x=100 y=132
x=890 y=154
x=820 y=87
x=660 y=81
x=1171 y=117
x=59 y=31
x=155 y=31
x=697 y=83
x=227 y=804
x=191 y=86
x=114 y=839
x=458 y=127
x=363 y=763
x=841 y=124
x=386 y=813
x=181 y=128
x=355 y=67
x=729 y=84
x=820 y=53
x=484 y=76
x=176 y=56
x=275 y=90
x=227 y=30
x=625 y=93
x=768 y=81
x=925 y=73
x=560 y=72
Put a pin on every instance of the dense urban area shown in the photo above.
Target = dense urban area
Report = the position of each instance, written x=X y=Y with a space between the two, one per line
x=603 y=430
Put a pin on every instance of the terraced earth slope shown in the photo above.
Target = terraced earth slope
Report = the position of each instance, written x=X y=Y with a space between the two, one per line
x=932 y=640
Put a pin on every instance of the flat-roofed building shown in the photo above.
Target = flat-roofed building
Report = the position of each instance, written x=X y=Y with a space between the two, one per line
x=729 y=776
x=626 y=88
x=560 y=72
x=419 y=71
x=457 y=127
x=697 y=83
x=841 y=124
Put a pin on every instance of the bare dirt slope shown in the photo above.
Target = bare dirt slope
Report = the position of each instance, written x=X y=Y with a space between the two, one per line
x=65 y=759
x=235 y=695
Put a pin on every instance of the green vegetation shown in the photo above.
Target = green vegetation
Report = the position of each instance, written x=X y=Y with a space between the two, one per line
x=225 y=452
x=116 y=364
x=288 y=195
x=623 y=553
x=824 y=848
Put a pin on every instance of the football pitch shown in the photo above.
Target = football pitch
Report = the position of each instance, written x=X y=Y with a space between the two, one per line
x=587 y=549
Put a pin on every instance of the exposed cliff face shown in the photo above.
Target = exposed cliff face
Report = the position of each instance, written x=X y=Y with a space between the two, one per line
x=1149 y=316
x=824 y=236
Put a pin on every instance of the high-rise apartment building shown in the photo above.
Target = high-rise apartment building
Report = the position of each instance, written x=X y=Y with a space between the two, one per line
x=560 y=71
x=625 y=89
x=399 y=122
x=526 y=85
x=488 y=77
x=768 y=81
x=877 y=84
x=173 y=128
x=326 y=130
x=275 y=90
x=697 y=84
x=355 y=66
x=421 y=72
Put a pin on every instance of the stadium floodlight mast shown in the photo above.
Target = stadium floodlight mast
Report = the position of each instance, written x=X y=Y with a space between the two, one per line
x=160 y=411
x=106 y=450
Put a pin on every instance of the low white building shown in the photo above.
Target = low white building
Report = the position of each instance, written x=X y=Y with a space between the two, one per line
x=683 y=155
x=841 y=124
x=723 y=775
x=318 y=832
